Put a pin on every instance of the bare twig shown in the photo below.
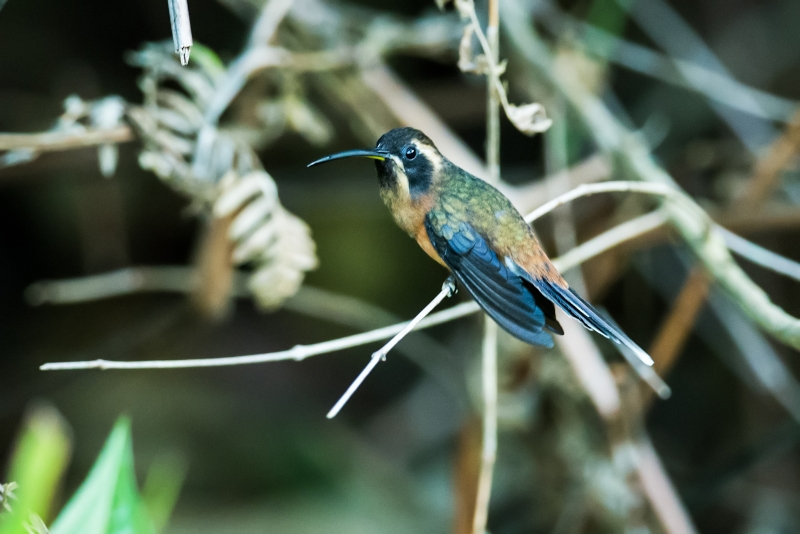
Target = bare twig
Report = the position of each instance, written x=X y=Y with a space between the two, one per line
x=603 y=187
x=489 y=430
x=49 y=293
x=619 y=234
x=448 y=288
x=759 y=255
x=688 y=219
x=64 y=140
x=410 y=110
x=181 y=29
x=659 y=490
x=676 y=328
x=530 y=119
x=770 y=165
x=681 y=72
x=127 y=281
x=489 y=348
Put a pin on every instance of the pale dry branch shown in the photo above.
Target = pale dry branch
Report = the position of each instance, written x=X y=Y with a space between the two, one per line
x=179 y=279
x=759 y=255
x=768 y=168
x=603 y=187
x=714 y=85
x=488 y=454
x=660 y=492
x=181 y=29
x=489 y=349
x=54 y=290
x=64 y=140
x=689 y=220
x=410 y=110
x=619 y=234
x=448 y=288
x=678 y=324
x=529 y=119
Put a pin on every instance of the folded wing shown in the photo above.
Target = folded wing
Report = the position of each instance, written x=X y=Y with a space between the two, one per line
x=505 y=296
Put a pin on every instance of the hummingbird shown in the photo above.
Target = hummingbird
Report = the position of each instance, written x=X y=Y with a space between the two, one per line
x=472 y=229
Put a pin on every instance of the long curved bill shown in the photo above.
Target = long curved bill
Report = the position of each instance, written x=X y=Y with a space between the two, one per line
x=380 y=155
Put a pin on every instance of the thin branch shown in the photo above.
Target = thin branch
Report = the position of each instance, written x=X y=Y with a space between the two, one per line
x=64 y=140
x=603 y=187
x=489 y=435
x=66 y=291
x=131 y=280
x=687 y=217
x=679 y=323
x=103 y=285
x=611 y=238
x=658 y=488
x=769 y=166
x=759 y=255
x=489 y=349
x=407 y=107
x=687 y=74
x=181 y=29
x=448 y=288
x=177 y=279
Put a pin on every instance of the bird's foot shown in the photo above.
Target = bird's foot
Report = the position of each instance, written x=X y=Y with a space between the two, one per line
x=450 y=286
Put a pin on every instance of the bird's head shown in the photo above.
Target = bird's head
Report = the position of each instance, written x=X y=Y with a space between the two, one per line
x=406 y=160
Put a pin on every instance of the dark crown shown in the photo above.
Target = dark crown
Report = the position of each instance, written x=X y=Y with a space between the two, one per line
x=396 y=139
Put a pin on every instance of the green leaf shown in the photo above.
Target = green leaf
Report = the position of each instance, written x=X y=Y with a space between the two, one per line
x=162 y=486
x=207 y=59
x=108 y=501
x=39 y=460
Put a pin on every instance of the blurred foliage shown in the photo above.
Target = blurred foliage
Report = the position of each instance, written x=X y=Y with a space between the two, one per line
x=40 y=458
x=107 y=502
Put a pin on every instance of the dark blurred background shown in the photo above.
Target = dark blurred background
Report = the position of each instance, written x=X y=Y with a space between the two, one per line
x=261 y=455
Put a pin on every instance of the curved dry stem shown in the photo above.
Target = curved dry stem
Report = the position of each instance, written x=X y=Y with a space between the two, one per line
x=686 y=216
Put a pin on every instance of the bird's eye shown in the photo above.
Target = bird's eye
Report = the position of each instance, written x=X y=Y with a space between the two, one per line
x=411 y=152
